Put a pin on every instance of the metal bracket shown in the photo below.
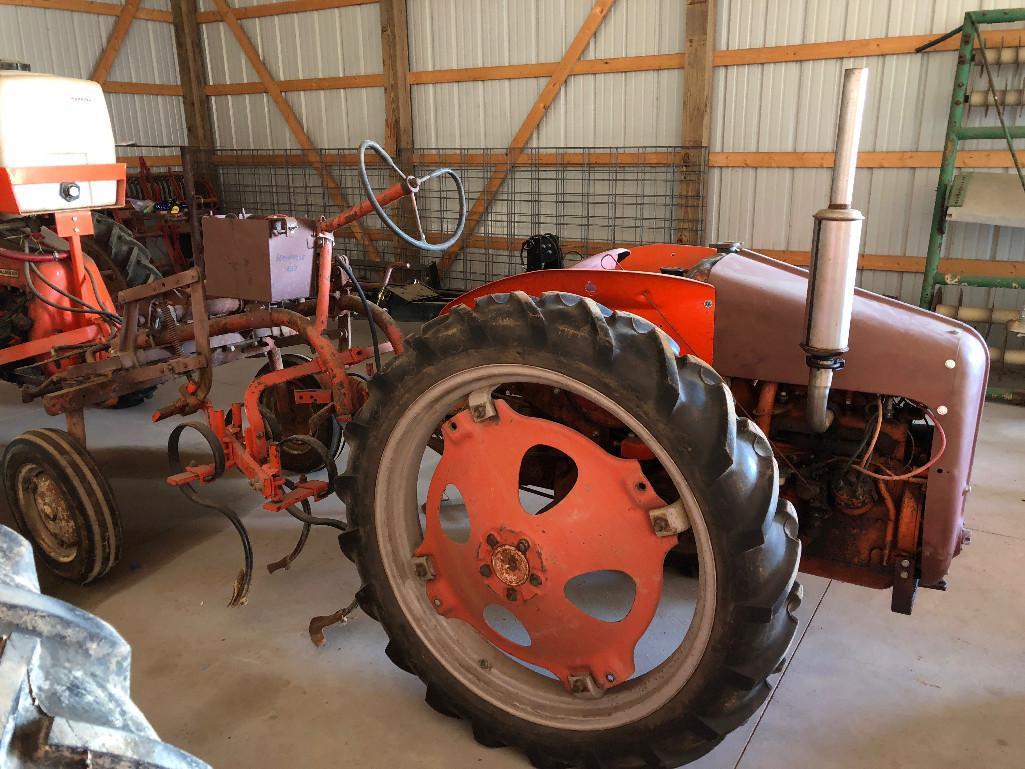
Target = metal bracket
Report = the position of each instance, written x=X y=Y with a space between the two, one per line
x=905 y=584
x=669 y=521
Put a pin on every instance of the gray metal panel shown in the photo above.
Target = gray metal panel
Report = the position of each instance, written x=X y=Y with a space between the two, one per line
x=58 y=42
x=147 y=54
x=616 y=109
x=329 y=43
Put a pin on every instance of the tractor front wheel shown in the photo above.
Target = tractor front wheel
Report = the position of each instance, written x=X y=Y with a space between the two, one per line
x=569 y=450
x=62 y=504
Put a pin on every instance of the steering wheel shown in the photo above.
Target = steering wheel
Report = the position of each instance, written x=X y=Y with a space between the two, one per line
x=413 y=184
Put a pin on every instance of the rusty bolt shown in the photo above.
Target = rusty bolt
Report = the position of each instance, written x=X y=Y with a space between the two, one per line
x=903 y=575
x=523 y=546
x=510 y=594
x=420 y=570
x=905 y=563
x=437 y=602
x=492 y=540
x=660 y=523
x=484 y=665
x=535 y=580
x=485 y=570
x=479 y=412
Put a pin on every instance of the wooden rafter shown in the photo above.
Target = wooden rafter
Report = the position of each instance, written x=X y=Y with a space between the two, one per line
x=293 y=122
x=114 y=41
x=530 y=124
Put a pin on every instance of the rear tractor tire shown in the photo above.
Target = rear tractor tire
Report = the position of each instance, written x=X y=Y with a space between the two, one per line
x=63 y=504
x=569 y=694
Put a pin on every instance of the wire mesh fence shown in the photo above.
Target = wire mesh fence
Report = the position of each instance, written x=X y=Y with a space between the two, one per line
x=592 y=198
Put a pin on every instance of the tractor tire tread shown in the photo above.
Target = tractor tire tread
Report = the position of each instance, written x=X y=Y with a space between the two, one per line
x=728 y=459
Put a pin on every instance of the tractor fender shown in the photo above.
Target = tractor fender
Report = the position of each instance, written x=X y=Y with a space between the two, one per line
x=683 y=308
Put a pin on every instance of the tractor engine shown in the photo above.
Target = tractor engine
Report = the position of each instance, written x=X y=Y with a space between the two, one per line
x=852 y=520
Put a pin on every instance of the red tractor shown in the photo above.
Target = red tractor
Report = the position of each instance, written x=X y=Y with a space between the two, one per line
x=585 y=430
x=579 y=499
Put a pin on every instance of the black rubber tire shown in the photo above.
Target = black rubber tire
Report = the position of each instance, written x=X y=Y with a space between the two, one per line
x=64 y=682
x=86 y=496
x=726 y=460
x=330 y=432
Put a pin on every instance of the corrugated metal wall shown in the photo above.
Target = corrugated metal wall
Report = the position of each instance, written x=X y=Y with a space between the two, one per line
x=68 y=43
x=788 y=107
x=329 y=43
x=762 y=107
x=616 y=109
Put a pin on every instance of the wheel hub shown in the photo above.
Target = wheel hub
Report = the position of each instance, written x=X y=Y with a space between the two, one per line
x=510 y=565
x=523 y=562
x=53 y=524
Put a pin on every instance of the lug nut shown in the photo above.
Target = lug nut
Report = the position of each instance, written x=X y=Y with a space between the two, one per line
x=535 y=580
x=523 y=546
x=485 y=570
x=510 y=594
x=492 y=540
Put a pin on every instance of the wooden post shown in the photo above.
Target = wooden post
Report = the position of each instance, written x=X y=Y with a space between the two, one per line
x=398 y=106
x=192 y=73
x=697 y=113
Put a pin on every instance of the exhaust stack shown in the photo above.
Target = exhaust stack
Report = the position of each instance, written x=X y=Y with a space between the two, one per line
x=836 y=239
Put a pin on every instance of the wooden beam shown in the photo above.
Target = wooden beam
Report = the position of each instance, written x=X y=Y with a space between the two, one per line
x=90 y=6
x=192 y=73
x=463 y=75
x=305 y=84
x=294 y=125
x=914 y=264
x=895 y=159
x=547 y=69
x=891 y=159
x=281 y=8
x=148 y=89
x=530 y=123
x=843 y=49
x=114 y=41
x=697 y=113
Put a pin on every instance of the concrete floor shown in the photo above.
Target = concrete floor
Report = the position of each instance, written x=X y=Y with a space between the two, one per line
x=246 y=688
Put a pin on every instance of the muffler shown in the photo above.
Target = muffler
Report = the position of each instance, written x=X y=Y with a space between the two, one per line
x=836 y=239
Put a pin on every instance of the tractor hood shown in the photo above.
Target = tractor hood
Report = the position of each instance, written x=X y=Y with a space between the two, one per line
x=895 y=349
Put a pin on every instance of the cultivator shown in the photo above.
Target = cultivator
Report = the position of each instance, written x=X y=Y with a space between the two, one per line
x=576 y=438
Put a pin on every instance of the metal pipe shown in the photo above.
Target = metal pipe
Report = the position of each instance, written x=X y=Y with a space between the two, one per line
x=834 y=258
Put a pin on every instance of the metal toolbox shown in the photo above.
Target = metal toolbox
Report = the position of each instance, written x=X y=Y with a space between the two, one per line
x=264 y=259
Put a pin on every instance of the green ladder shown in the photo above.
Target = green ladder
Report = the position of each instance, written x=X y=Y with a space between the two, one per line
x=948 y=190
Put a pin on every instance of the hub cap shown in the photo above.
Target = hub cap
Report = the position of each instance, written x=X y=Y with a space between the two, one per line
x=523 y=562
x=46 y=512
